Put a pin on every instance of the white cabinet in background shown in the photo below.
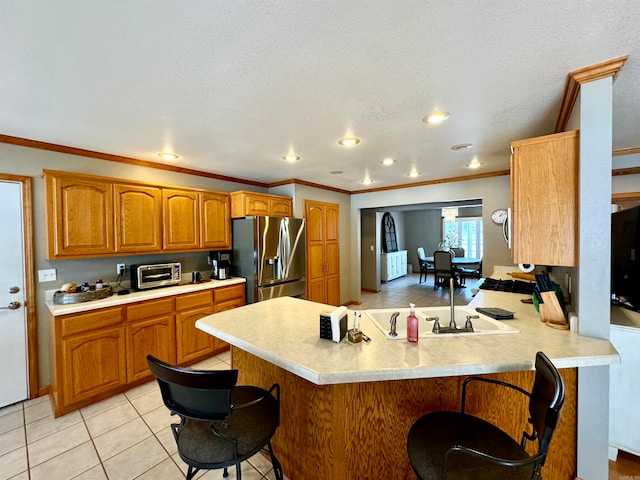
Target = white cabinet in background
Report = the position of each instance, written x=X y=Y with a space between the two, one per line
x=624 y=388
x=393 y=265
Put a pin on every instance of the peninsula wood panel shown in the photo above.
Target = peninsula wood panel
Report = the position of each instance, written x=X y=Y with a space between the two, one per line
x=544 y=200
x=138 y=218
x=359 y=430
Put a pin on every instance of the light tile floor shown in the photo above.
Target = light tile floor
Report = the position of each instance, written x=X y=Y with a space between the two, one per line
x=398 y=293
x=124 y=437
x=127 y=436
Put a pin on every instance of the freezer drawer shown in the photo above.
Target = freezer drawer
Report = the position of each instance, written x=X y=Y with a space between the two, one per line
x=291 y=289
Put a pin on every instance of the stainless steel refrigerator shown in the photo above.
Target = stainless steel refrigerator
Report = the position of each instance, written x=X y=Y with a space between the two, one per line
x=270 y=252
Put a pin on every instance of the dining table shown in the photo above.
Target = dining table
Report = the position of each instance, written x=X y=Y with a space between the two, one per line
x=460 y=261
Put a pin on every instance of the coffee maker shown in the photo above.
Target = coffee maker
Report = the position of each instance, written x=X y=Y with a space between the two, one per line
x=221 y=264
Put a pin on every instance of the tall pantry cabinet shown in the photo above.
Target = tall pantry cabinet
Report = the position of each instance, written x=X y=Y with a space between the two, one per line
x=323 y=252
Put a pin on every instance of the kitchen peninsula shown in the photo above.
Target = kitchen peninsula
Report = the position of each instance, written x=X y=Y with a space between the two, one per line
x=346 y=408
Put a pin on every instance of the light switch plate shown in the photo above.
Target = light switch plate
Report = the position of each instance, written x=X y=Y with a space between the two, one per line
x=48 y=275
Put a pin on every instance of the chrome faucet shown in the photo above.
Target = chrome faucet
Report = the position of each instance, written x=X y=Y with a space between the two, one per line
x=393 y=321
x=452 y=323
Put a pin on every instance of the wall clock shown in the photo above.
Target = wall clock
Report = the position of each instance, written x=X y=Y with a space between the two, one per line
x=499 y=216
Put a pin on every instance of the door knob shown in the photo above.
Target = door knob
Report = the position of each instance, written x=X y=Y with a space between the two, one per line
x=12 y=306
x=14 y=289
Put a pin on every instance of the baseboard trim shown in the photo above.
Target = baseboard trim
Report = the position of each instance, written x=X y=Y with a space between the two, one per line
x=370 y=290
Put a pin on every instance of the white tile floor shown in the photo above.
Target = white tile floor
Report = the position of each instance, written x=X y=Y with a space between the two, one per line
x=127 y=436
x=123 y=437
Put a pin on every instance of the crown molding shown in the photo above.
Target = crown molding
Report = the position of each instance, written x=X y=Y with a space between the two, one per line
x=53 y=147
x=499 y=173
x=576 y=78
x=626 y=151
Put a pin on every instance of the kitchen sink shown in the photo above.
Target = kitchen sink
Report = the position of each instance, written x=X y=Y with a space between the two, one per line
x=481 y=326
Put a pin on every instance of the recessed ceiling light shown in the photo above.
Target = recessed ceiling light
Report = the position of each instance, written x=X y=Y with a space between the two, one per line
x=462 y=146
x=291 y=157
x=336 y=172
x=168 y=156
x=387 y=161
x=436 y=117
x=366 y=180
x=414 y=173
x=349 y=141
x=474 y=163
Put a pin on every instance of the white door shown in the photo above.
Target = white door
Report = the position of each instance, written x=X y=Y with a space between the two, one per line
x=13 y=316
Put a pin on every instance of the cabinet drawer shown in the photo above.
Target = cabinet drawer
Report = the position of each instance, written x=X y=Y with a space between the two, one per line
x=91 y=321
x=191 y=300
x=227 y=293
x=149 y=308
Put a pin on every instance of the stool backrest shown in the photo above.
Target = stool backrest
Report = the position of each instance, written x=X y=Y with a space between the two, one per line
x=201 y=394
x=546 y=401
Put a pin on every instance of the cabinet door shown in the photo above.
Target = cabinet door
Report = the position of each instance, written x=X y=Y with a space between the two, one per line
x=192 y=344
x=323 y=252
x=280 y=207
x=256 y=205
x=315 y=253
x=79 y=216
x=332 y=254
x=138 y=218
x=222 y=307
x=154 y=336
x=181 y=220
x=93 y=364
x=215 y=220
x=544 y=200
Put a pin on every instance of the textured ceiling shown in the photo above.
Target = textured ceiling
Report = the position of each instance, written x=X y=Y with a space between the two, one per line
x=232 y=86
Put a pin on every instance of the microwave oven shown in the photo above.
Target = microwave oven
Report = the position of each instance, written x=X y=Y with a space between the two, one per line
x=155 y=275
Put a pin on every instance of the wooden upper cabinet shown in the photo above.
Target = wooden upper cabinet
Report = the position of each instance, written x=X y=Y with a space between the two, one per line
x=79 y=216
x=92 y=216
x=181 y=219
x=138 y=218
x=215 y=213
x=251 y=203
x=544 y=200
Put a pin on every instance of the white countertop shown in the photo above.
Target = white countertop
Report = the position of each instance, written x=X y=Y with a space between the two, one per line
x=285 y=331
x=134 y=296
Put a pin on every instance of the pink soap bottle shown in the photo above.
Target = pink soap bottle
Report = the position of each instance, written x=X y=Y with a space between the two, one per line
x=412 y=325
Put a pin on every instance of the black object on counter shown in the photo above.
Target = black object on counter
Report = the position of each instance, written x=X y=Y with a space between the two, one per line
x=513 y=286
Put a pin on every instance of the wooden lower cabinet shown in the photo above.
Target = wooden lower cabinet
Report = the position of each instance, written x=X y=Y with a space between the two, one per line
x=93 y=363
x=193 y=344
x=99 y=353
x=150 y=330
x=88 y=360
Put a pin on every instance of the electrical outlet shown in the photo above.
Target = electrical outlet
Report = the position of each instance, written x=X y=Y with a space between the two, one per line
x=120 y=268
x=48 y=275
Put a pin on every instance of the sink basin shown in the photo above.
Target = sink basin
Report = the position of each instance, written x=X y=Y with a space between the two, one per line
x=481 y=326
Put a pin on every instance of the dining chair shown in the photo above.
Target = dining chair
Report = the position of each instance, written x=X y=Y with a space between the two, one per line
x=458 y=252
x=425 y=266
x=443 y=268
x=457 y=445
x=221 y=424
